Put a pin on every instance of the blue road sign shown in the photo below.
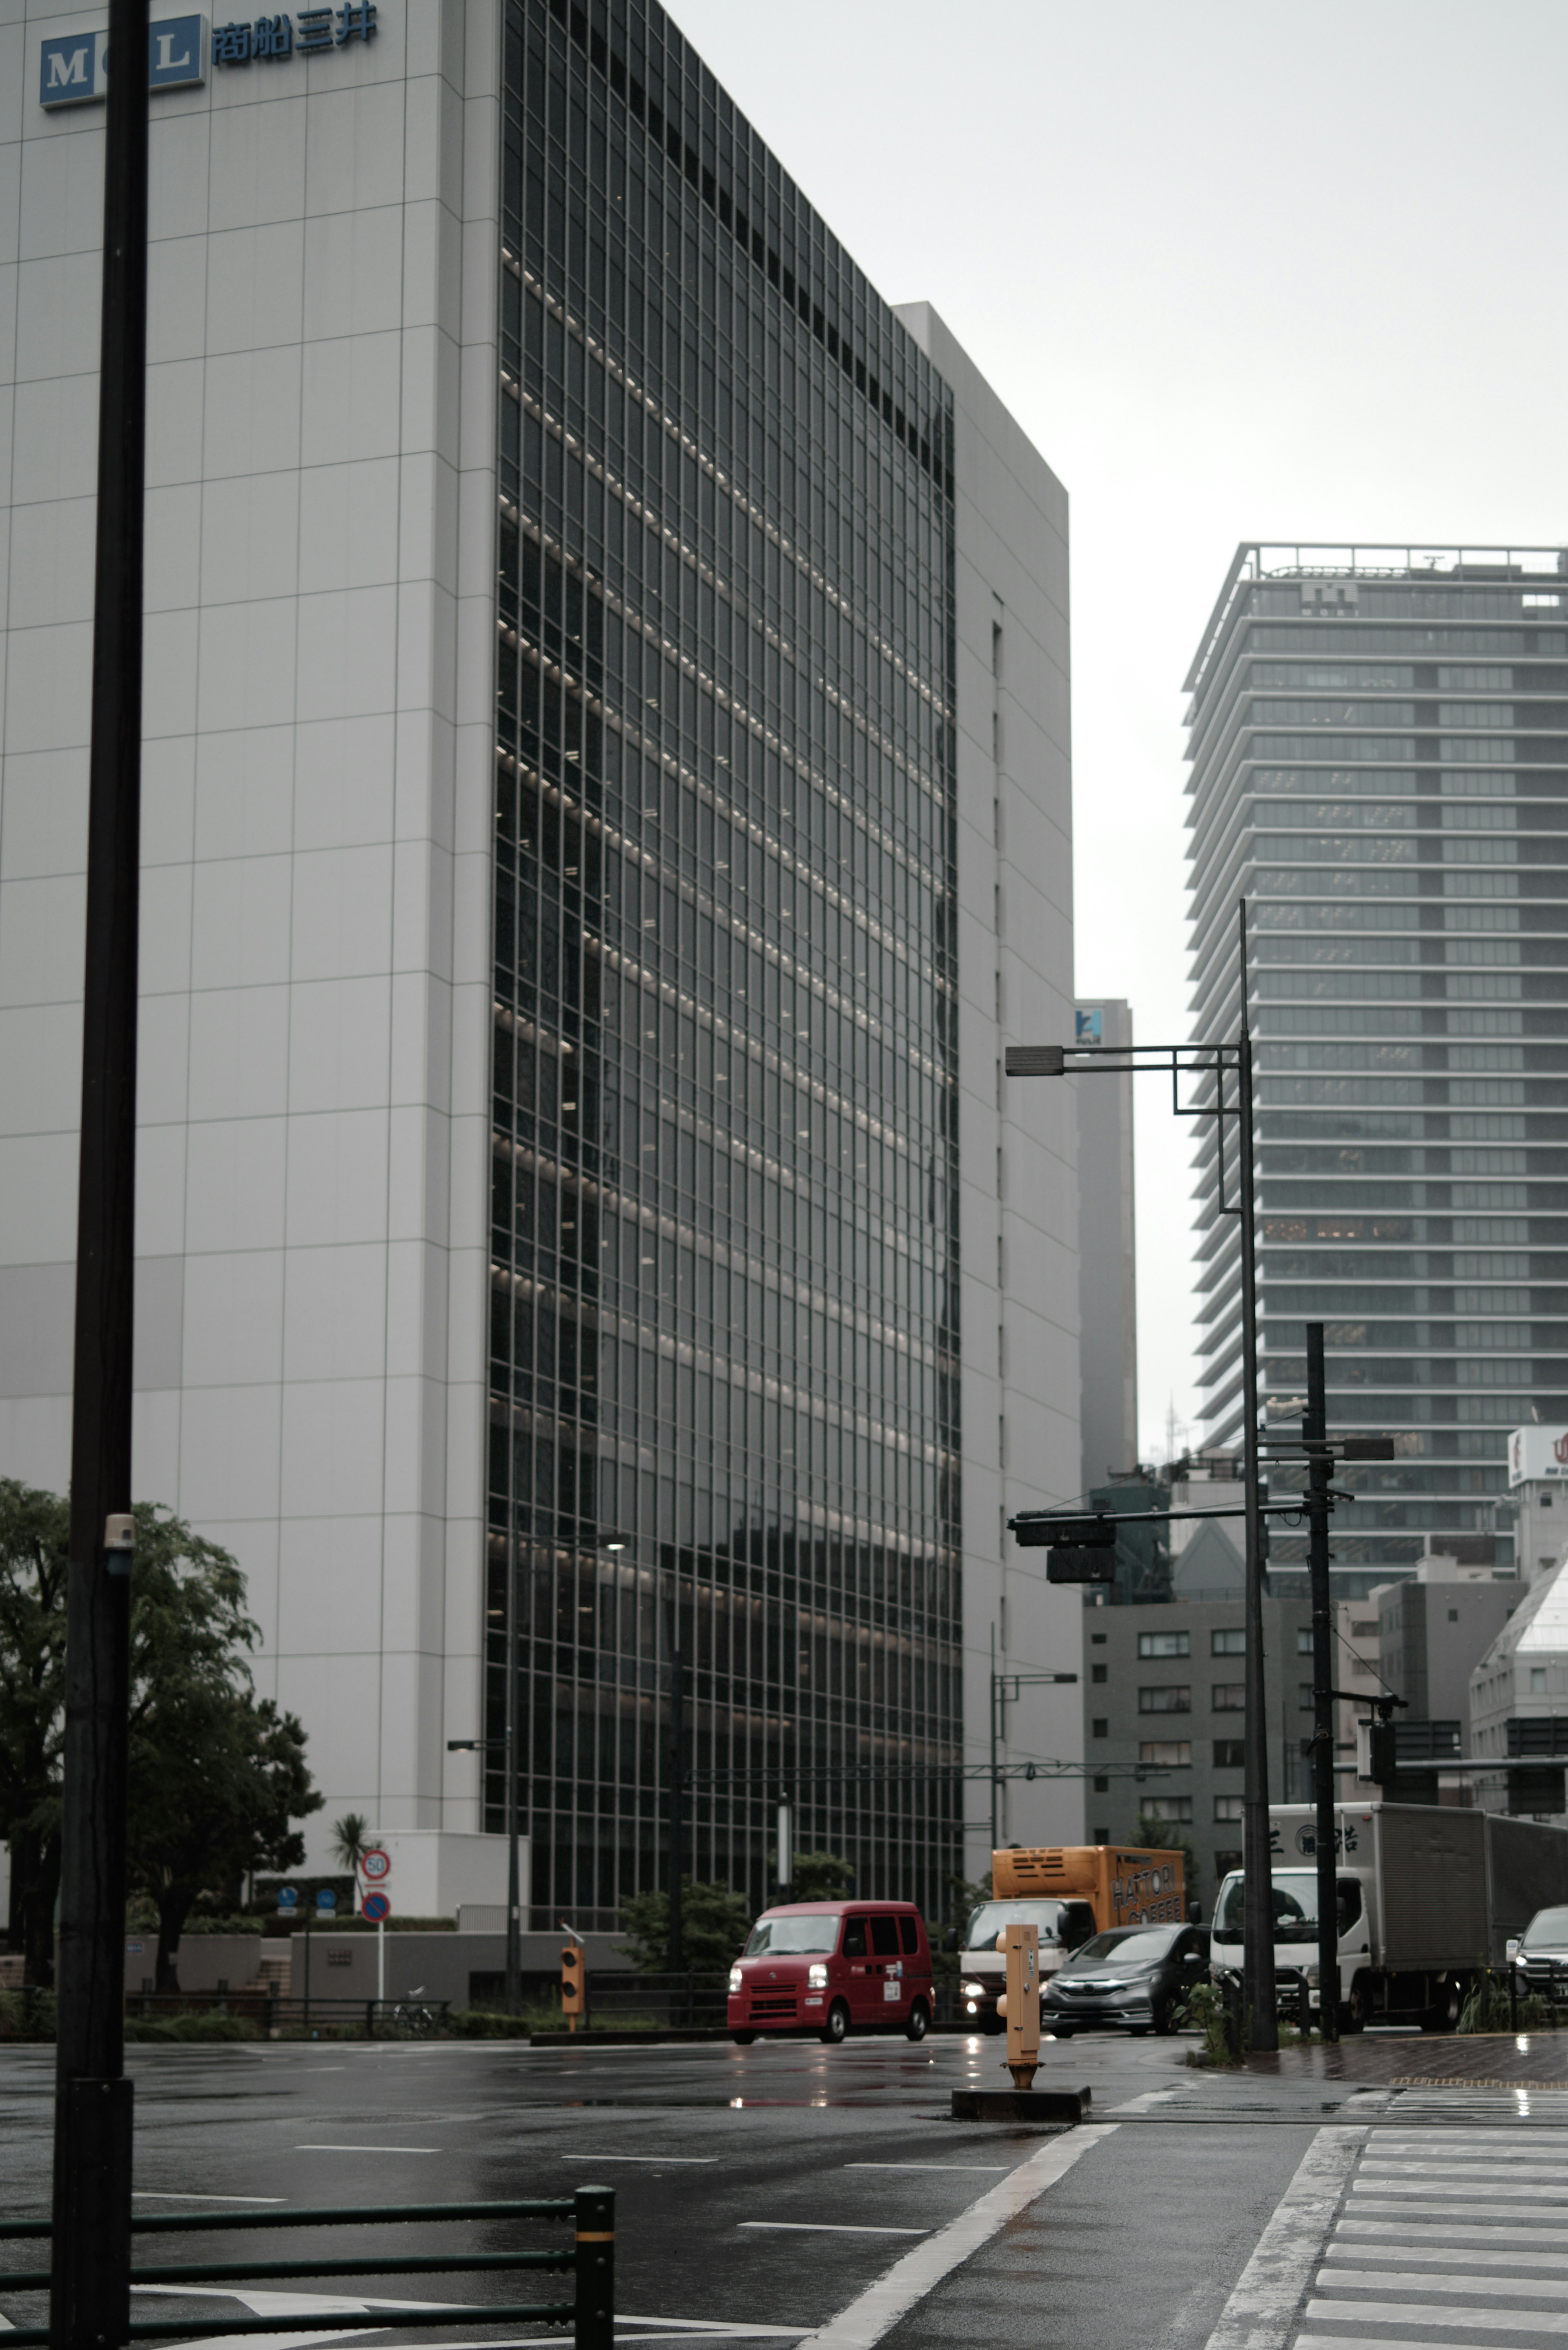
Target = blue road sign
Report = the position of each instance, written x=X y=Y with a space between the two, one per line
x=327 y=1898
x=377 y=1907
x=287 y=1899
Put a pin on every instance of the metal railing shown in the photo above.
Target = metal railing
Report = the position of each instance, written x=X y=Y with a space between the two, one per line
x=590 y=2259
x=669 y=2002
x=271 y=2010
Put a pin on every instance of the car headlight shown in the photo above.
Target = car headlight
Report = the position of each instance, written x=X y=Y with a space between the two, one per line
x=974 y=1990
x=735 y=1980
x=817 y=1976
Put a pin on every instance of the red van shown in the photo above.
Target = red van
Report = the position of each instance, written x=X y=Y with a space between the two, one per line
x=832 y=1967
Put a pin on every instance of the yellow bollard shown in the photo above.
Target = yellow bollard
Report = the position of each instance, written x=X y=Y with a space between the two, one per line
x=1020 y=2004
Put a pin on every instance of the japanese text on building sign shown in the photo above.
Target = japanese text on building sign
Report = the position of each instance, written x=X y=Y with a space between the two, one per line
x=276 y=37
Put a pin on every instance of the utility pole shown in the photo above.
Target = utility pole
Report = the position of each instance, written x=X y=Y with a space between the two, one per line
x=1216 y=1062
x=1259 y=1943
x=995 y=1782
x=90 y=2300
x=1315 y=1428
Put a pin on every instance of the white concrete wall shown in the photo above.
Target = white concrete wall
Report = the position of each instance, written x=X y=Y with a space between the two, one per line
x=1017 y=1140
x=312 y=1276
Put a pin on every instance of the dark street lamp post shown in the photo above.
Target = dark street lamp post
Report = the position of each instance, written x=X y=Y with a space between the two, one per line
x=1228 y=1065
x=89 y=2304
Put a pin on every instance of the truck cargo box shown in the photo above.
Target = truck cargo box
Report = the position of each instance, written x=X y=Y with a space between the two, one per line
x=1527 y=1866
x=1433 y=1869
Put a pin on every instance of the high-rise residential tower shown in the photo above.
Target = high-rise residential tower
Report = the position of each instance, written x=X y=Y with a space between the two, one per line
x=1379 y=747
x=606 y=800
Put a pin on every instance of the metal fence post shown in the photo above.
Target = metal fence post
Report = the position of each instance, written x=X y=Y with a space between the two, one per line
x=594 y=2320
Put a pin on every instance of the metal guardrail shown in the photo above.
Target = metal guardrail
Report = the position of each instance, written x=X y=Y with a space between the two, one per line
x=271 y=2010
x=590 y=2258
x=678 y=2000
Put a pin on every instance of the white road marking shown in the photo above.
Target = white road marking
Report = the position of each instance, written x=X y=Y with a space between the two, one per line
x=1393 y=2312
x=671 y=2159
x=1417 y=2280
x=370 y=2149
x=878 y=2309
x=1426 y=2187
x=925 y=2166
x=167 y=2194
x=1493 y=2210
x=1405 y=2245
x=1443 y=2231
x=827 y=2227
x=1267 y=2294
x=1377 y=2164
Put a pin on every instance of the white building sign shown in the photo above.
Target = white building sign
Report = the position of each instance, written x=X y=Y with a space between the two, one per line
x=1537 y=1452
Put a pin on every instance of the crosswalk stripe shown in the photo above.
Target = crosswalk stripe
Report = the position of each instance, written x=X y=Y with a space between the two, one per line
x=1434 y=2230
x=1500 y=2320
x=1374 y=2166
x=1464 y=2188
x=1443 y=2215
x=1420 y=2280
x=1403 y=2248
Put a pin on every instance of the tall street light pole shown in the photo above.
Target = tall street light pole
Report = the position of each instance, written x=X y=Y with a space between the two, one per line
x=1220 y=1065
x=90 y=2303
x=1314 y=1430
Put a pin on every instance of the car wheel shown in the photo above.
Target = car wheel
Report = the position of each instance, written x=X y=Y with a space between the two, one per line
x=836 y=2031
x=1354 y=2013
x=1060 y=2030
x=1443 y=2016
x=920 y=2022
x=1138 y=2032
x=742 y=2039
x=1165 y=2018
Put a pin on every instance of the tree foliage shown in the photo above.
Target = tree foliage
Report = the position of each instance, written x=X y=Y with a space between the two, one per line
x=821 y=1877
x=33 y=1545
x=217 y=1776
x=714 y=1923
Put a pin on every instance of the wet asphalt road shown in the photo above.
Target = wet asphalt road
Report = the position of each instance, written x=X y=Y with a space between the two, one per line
x=760 y=2188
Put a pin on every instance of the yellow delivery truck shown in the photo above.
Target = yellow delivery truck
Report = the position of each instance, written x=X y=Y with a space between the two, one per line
x=1068 y=1892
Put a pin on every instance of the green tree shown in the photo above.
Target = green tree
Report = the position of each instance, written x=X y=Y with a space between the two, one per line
x=217 y=1776
x=714 y=1923
x=34 y=1529
x=1158 y=1836
x=350 y=1836
x=820 y=1876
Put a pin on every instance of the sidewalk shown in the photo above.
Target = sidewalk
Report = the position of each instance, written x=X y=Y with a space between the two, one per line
x=1482 y=2060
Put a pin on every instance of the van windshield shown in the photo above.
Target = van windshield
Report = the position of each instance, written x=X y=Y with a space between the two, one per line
x=792 y=1934
x=986 y=1922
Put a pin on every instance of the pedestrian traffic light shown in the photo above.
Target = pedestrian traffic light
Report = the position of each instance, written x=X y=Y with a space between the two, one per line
x=574 y=1984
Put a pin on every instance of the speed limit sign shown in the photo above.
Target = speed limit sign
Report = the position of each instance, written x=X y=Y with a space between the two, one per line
x=374 y=1866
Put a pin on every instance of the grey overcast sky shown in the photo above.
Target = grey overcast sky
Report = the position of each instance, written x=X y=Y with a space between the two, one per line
x=1240 y=271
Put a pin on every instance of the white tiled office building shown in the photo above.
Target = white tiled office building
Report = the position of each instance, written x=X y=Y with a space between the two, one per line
x=315 y=1248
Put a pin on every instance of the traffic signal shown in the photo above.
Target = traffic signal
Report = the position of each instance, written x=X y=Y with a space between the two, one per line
x=1081 y=1563
x=574 y=1984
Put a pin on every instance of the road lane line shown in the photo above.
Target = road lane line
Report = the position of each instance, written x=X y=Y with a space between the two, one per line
x=994 y=2167
x=1265 y=2298
x=826 y=2227
x=669 y=2159
x=878 y=2309
x=370 y=2149
x=168 y=2195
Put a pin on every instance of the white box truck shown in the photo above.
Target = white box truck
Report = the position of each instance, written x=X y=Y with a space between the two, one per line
x=1428 y=1895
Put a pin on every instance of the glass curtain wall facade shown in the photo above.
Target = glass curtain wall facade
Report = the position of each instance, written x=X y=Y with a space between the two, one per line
x=723 y=1400
x=1379 y=746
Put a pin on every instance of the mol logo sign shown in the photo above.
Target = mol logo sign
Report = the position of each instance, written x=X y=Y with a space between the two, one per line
x=74 y=67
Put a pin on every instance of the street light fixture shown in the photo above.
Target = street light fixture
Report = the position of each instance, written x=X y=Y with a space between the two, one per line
x=1227 y=1066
